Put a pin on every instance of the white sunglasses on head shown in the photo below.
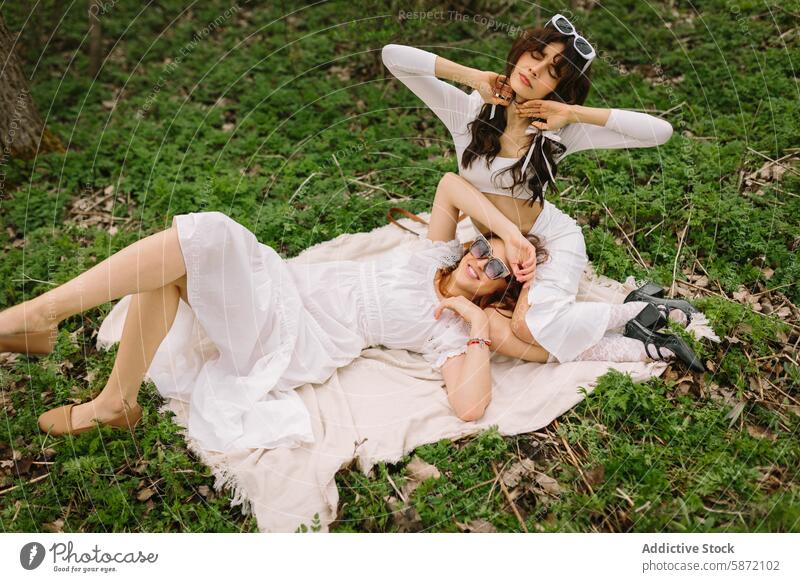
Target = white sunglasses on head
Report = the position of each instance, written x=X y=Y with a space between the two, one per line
x=562 y=24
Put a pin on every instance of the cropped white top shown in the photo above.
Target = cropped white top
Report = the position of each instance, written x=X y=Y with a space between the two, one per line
x=416 y=69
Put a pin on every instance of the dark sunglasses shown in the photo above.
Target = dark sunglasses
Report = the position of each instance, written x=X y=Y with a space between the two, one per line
x=494 y=268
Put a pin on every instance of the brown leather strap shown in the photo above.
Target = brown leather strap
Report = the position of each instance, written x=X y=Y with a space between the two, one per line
x=413 y=217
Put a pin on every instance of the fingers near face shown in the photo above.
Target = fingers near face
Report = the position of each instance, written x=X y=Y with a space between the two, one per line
x=531 y=106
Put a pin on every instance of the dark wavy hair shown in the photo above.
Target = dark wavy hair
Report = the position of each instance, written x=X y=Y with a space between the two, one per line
x=573 y=88
x=505 y=298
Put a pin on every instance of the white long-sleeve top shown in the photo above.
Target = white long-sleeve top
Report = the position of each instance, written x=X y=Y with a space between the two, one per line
x=416 y=68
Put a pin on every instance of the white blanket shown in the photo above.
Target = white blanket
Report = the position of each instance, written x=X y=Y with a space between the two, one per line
x=386 y=403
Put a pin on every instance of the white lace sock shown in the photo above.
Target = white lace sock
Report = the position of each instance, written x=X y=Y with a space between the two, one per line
x=622 y=313
x=615 y=347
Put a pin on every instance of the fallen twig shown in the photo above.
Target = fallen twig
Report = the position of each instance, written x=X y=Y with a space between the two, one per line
x=300 y=187
x=678 y=254
x=773 y=289
x=468 y=489
x=737 y=513
x=503 y=468
x=511 y=501
x=576 y=464
x=39 y=478
x=341 y=173
x=370 y=186
x=778 y=161
x=399 y=493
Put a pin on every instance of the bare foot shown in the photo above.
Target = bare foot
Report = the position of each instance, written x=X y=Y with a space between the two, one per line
x=83 y=415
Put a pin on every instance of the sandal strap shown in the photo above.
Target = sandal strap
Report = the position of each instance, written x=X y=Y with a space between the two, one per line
x=647 y=345
x=68 y=414
x=660 y=355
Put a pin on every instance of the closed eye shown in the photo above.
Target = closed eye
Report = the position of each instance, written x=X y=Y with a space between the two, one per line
x=537 y=55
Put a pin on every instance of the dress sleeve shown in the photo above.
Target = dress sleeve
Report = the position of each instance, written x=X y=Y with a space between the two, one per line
x=623 y=129
x=442 y=253
x=416 y=68
x=449 y=339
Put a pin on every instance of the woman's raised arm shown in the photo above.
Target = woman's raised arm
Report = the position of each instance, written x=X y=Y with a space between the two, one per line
x=454 y=194
x=583 y=128
x=598 y=128
x=419 y=70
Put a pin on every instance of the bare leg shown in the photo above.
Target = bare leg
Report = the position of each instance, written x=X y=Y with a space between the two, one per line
x=146 y=265
x=149 y=318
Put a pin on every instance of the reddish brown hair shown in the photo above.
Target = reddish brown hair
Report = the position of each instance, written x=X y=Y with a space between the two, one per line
x=506 y=298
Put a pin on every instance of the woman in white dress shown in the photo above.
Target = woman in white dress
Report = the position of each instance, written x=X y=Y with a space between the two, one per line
x=274 y=325
x=511 y=160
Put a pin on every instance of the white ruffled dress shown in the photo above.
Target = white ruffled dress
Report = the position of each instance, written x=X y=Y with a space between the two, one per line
x=257 y=327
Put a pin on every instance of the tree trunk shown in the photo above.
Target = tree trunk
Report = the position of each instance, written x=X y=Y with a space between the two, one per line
x=22 y=133
x=95 y=38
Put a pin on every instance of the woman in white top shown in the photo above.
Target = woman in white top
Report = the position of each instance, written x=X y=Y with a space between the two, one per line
x=254 y=326
x=511 y=160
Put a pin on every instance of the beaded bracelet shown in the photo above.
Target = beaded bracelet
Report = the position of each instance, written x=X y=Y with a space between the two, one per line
x=479 y=340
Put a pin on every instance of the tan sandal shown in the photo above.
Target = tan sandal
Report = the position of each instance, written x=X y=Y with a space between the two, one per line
x=58 y=422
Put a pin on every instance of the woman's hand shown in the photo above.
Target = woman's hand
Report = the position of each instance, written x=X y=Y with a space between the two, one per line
x=490 y=85
x=465 y=308
x=555 y=114
x=521 y=255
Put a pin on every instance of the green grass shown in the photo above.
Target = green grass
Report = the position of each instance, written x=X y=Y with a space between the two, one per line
x=666 y=455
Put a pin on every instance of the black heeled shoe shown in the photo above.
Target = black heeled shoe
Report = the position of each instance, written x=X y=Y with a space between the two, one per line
x=637 y=328
x=652 y=318
x=665 y=305
x=651 y=289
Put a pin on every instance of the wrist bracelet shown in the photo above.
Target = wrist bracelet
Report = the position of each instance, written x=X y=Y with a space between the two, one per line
x=479 y=340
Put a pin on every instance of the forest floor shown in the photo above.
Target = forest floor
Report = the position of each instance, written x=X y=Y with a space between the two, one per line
x=292 y=126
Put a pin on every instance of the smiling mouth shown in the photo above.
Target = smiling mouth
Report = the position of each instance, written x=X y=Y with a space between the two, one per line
x=472 y=272
x=525 y=80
